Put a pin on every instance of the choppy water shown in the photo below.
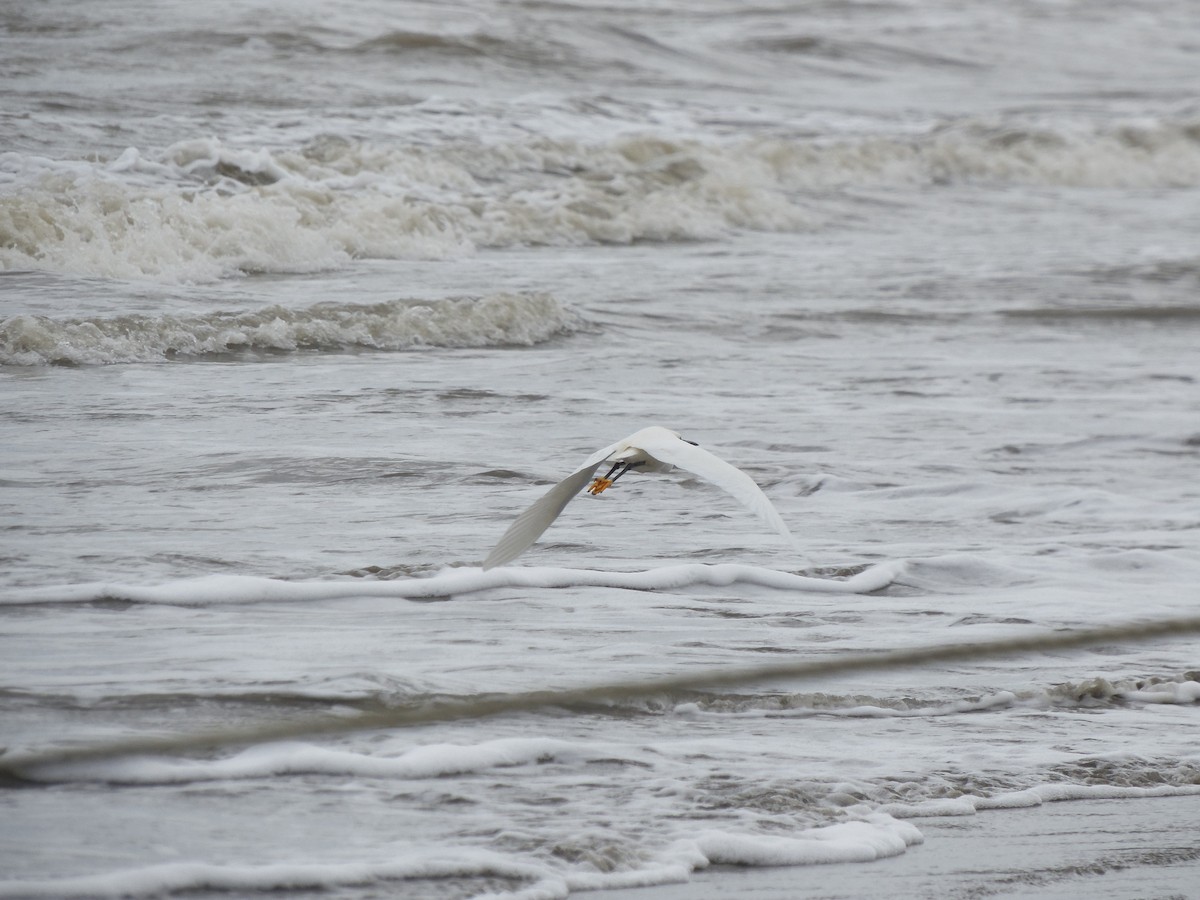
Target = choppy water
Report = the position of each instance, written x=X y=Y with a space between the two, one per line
x=307 y=296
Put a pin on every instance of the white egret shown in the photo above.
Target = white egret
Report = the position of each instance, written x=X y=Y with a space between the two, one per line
x=652 y=449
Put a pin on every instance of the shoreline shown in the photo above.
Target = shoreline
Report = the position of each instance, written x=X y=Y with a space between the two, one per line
x=1116 y=849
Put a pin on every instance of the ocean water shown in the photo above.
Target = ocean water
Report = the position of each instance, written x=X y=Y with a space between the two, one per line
x=301 y=304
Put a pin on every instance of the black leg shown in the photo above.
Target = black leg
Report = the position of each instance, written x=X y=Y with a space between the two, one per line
x=625 y=467
x=600 y=485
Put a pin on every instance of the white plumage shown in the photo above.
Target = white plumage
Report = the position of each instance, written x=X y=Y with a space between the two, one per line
x=653 y=449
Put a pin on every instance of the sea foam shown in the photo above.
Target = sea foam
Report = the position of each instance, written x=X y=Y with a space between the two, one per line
x=180 y=877
x=875 y=837
x=201 y=209
x=870 y=837
x=235 y=589
x=492 y=321
x=277 y=759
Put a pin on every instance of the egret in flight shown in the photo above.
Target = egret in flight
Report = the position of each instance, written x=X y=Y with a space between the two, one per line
x=652 y=449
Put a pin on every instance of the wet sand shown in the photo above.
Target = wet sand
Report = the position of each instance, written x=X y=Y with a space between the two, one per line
x=1099 y=849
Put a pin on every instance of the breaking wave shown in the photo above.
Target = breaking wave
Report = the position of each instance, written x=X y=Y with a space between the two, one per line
x=868 y=837
x=201 y=210
x=497 y=320
x=236 y=589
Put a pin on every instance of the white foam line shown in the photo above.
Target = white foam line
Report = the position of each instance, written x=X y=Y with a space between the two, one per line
x=295 y=758
x=216 y=589
x=170 y=878
x=969 y=804
x=858 y=841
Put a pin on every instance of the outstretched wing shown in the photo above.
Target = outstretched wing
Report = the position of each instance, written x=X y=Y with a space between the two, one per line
x=530 y=524
x=733 y=480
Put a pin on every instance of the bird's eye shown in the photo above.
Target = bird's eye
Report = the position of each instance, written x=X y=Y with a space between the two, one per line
x=686 y=441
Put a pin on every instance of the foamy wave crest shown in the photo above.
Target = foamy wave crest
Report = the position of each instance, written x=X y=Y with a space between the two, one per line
x=222 y=589
x=268 y=760
x=1141 y=154
x=201 y=210
x=498 y=320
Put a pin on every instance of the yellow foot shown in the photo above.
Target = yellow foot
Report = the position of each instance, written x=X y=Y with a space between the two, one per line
x=599 y=485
